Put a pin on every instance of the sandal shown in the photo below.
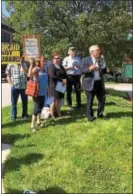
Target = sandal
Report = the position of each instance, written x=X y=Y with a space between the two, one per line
x=40 y=124
x=33 y=129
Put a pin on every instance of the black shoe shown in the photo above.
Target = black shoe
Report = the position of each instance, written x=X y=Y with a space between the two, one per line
x=102 y=116
x=78 y=106
x=25 y=117
x=91 y=119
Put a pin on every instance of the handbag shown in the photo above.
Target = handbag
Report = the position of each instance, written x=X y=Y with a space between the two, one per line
x=32 y=88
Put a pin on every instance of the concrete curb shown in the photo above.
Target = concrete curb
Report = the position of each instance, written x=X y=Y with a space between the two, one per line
x=6 y=149
x=130 y=94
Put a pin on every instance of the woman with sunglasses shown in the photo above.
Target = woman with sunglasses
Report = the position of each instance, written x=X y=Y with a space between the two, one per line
x=38 y=73
x=56 y=74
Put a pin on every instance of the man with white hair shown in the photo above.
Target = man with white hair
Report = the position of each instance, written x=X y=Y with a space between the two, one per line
x=72 y=65
x=93 y=69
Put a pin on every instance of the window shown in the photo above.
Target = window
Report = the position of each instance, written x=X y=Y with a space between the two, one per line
x=5 y=36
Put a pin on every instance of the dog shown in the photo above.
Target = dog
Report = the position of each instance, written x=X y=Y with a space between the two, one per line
x=45 y=113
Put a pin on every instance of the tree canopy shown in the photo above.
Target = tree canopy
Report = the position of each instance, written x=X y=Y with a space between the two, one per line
x=79 y=23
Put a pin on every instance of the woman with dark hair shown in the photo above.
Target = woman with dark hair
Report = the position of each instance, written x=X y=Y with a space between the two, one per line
x=56 y=74
x=38 y=74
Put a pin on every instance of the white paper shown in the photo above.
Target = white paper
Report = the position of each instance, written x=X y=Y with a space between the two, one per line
x=31 y=47
x=60 y=87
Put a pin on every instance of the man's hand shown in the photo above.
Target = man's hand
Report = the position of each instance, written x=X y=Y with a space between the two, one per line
x=97 y=68
x=76 y=66
x=69 y=68
x=9 y=80
x=92 y=67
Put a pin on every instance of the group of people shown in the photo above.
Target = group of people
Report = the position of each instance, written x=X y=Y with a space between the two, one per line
x=67 y=71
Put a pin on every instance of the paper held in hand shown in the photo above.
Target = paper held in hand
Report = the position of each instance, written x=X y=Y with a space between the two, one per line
x=60 y=87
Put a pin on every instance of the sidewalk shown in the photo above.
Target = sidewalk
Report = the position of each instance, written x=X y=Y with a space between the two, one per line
x=121 y=87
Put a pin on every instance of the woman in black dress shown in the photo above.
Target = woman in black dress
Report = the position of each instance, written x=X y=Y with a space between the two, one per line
x=56 y=73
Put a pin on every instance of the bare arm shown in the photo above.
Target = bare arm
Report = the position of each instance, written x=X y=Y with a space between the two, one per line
x=32 y=70
x=9 y=80
x=25 y=70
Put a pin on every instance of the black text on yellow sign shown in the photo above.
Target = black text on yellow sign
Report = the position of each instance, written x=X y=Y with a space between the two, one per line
x=10 y=53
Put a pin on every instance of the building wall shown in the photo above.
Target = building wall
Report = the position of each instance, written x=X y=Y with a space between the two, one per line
x=6 y=36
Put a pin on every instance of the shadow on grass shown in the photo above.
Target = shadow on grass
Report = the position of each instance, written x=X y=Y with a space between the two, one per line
x=13 y=164
x=25 y=146
x=15 y=123
x=12 y=138
x=120 y=94
x=110 y=103
x=55 y=190
x=70 y=116
x=119 y=114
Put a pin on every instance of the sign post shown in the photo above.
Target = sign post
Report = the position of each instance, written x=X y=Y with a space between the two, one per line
x=10 y=53
x=31 y=46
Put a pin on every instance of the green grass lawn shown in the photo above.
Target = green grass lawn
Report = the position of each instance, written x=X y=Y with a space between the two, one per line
x=72 y=155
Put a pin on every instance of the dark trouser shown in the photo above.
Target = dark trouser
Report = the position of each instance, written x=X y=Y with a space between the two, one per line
x=99 y=91
x=14 y=99
x=38 y=104
x=74 y=80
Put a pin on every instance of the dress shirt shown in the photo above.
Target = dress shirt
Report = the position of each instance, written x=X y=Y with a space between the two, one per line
x=71 y=62
x=102 y=66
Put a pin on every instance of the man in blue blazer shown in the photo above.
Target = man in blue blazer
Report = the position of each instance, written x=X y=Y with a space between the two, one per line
x=93 y=69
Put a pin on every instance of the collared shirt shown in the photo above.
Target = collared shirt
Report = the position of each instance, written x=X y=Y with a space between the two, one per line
x=71 y=62
x=18 y=77
x=102 y=66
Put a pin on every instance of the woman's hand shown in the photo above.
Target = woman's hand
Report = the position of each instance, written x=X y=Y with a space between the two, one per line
x=64 y=81
x=31 y=61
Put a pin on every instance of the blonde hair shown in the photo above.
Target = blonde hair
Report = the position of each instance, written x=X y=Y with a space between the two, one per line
x=37 y=59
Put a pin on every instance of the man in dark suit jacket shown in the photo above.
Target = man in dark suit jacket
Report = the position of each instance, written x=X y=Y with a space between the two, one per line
x=93 y=69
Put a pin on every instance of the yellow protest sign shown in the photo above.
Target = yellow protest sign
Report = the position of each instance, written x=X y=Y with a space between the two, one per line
x=10 y=53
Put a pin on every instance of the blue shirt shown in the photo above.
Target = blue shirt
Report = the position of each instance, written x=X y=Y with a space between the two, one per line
x=43 y=83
